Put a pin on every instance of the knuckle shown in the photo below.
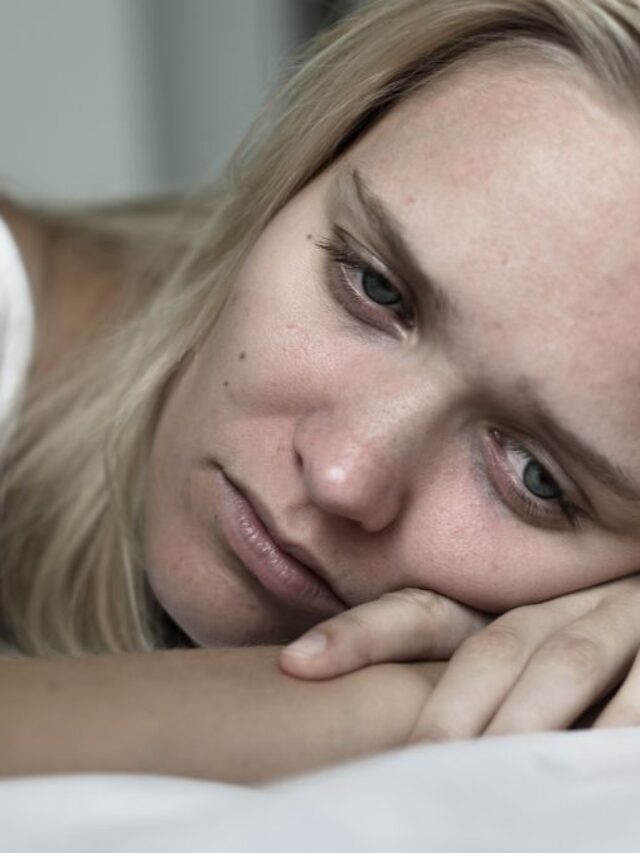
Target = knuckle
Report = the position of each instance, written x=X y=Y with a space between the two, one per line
x=356 y=623
x=439 y=732
x=429 y=603
x=354 y=628
x=580 y=654
x=497 y=642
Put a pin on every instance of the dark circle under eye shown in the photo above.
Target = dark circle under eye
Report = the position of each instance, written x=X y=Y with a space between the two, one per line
x=540 y=482
x=378 y=289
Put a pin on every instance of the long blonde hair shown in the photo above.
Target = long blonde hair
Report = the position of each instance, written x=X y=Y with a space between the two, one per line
x=71 y=572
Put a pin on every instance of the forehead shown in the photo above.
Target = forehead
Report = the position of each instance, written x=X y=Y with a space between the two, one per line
x=518 y=187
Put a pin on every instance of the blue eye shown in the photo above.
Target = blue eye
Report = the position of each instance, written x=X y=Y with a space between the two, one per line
x=526 y=485
x=378 y=289
x=540 y=483
x=362 y=288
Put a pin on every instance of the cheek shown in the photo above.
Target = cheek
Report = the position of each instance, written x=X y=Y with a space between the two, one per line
x=478 y=559
x=273 y=350
x=493 y=562
x=193 y=576
x=462 y=543
x=455 y=541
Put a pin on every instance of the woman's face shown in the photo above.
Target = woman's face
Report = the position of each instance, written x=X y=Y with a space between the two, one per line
x=428 y=373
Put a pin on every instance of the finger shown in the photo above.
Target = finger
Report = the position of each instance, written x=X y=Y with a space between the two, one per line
x=409 y=624
x=487 y=665
x=624 y=707
x=571 y=671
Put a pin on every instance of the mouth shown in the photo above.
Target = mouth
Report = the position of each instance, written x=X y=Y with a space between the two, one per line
x=288 y=572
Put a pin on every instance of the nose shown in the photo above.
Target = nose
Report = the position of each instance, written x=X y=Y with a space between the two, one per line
x=360 y=460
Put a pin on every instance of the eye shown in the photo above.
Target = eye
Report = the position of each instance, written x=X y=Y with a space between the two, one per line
x=364 y=290
x=379 y=289
x=526 y=485
x=540 y=482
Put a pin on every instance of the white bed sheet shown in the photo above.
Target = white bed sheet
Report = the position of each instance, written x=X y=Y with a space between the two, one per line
x=575 y=792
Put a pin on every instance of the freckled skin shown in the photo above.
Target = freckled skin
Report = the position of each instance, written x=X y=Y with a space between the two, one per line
x=364 y=445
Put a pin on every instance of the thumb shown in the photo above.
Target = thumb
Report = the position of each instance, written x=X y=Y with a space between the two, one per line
x=409 y=624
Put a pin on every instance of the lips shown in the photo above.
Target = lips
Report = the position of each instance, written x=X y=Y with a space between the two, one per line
x=288 y=572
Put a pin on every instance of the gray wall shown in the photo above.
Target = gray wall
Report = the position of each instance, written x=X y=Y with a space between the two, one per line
x=102 y=99
x=74 y=111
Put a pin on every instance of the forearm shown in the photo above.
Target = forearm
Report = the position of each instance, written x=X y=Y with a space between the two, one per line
x=227 y=714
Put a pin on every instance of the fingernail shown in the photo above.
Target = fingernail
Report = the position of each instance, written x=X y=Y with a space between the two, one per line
x=309 y=646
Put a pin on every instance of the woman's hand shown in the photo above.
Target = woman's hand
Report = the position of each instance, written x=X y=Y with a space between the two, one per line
x=536 y=667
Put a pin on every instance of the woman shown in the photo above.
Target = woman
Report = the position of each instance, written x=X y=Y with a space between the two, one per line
x=384 y=376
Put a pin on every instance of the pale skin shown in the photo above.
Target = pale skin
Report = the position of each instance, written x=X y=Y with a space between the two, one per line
x=567 y=306
x=388 y=438
x=369 y=431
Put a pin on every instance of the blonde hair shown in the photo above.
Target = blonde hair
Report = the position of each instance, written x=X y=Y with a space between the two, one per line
x=71 y=571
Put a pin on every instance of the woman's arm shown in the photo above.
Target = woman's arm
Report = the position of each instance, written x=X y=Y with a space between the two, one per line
x=225 y=714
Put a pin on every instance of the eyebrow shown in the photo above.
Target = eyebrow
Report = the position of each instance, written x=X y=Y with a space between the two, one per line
x=609 y=474
x=353 y=191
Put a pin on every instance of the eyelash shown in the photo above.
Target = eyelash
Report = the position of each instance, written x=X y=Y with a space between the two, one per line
x=518 y=498
x=345 y=261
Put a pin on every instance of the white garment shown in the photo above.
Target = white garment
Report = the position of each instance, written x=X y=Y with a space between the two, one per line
x=16 y=323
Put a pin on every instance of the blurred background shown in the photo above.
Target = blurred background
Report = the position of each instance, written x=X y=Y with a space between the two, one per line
x=105 y=99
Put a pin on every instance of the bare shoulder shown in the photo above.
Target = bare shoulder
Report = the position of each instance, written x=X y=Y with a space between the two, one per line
x=77 y=284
